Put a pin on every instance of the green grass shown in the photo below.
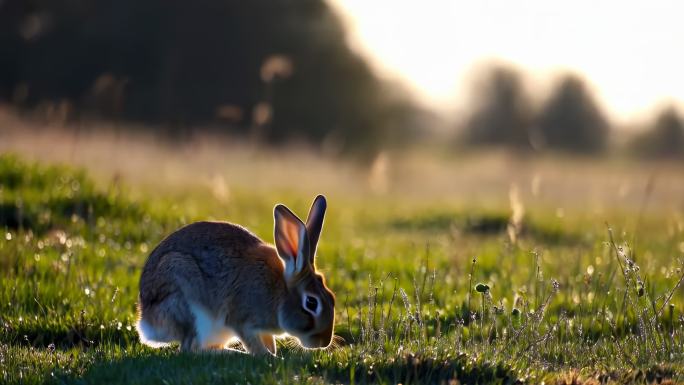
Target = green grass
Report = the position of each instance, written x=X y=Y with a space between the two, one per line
x=566 y=303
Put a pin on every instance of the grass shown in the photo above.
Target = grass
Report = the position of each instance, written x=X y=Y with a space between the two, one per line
x=578 y=298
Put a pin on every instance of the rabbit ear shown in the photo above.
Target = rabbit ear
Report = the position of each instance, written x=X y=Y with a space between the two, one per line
x=291 y=239
x=314 y=223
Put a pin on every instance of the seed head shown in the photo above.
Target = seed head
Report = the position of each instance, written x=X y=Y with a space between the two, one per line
x=481 y=288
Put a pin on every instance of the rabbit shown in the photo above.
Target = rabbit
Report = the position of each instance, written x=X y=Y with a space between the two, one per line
x=211 y=284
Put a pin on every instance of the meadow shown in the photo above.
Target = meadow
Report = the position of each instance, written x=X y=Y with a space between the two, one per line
x=432 y=286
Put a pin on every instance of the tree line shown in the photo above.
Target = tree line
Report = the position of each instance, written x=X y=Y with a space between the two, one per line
x=271 y=70
x=569 y=120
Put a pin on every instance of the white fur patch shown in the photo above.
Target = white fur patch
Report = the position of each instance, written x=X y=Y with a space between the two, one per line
x=210 y=330
x=150 y=336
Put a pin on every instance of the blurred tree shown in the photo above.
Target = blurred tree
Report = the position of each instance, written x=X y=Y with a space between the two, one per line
x=665 y=139
x=502 y=111
x=571 y=119
x=203 y=62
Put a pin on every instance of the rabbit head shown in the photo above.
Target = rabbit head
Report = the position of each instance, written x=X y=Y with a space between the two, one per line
x=308 y=309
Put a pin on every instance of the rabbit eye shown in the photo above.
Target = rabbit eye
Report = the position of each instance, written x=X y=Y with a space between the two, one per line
x=311 y=304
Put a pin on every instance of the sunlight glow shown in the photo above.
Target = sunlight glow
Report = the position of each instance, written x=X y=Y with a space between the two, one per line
x=630 y=52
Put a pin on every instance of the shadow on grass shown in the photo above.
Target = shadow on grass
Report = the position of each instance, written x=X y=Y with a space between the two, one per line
x=415 y=368
x=169 y=367
x=63 y=336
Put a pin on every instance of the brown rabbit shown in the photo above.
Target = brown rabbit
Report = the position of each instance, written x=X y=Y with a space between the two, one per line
x=211 y=283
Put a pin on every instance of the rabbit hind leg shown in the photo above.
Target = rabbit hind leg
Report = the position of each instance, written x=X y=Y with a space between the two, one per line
x=166 y=322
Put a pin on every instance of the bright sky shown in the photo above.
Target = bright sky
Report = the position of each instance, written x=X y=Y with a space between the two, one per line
x=632 y=52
